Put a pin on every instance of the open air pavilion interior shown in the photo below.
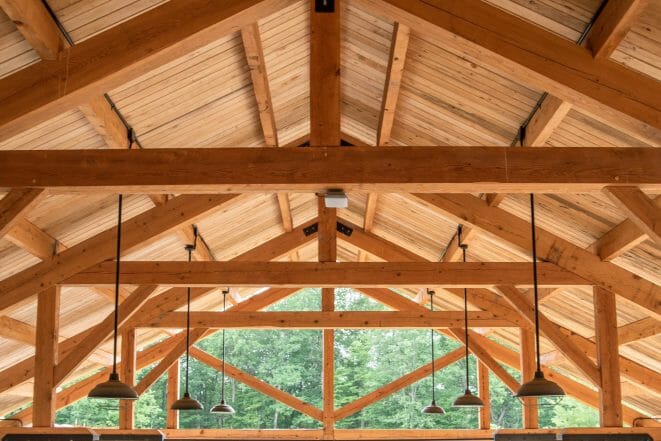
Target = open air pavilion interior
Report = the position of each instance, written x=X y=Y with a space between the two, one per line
x=236 y=124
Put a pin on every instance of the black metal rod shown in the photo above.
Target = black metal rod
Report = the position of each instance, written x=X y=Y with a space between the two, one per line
x=433 y=370
x=117 y=267
x=534 y=278
x=190 y=252
x=222 y=385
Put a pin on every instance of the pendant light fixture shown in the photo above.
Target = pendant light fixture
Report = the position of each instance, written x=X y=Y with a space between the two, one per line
x=467 y=399
x=186 y=402
x=222 y=407
x=113 y=388
x=538 y=386
x=432 y=408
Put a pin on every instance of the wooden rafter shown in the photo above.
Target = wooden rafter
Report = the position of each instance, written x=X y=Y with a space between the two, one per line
x=640 y=209
x=105 y=121
x=127 y=375
x=147 y=226
x=324 y=274
x=457 y=169
x=505 y=226
x=48 y=314
x=132 y=48
x=35 y=24
x=534 y=56
x=15 y=205
x=612 y=25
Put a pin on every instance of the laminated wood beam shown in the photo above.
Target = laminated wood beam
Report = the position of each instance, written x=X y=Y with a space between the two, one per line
x=231 y=169
x=36 y=25
x=257 y=384
x=145 y=227
x=325 y=320
x=534 y=56
x=640 y=209
x=48 y=313
x=608 y=360
x=119 y=55
x=612 y=25
x=324 y=274
x=471 y=210
x=15 y=205
x=396 y=385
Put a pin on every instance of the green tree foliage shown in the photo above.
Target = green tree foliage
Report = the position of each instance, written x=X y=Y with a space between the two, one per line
x=291 y=361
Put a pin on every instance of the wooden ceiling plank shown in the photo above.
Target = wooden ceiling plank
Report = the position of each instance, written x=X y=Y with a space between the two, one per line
x=145 y=227
x=16 y=204
x=532 y=55
x=37 y=26
x=257 y=384
x=119 y=55
x=643 y=211
x=508 y=227
x=612 y=25
x=222 y=170
x=103 y=331
x=106 y=122
x=552 y=332
x=324 y=274
x=325 y=96
x=398 y=384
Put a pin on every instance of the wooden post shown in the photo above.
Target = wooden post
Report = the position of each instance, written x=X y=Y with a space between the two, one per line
x=172 y=418
x=483 y=390
x=528 y=365
x=127 y=375
x=48 y=315
x=610 y=391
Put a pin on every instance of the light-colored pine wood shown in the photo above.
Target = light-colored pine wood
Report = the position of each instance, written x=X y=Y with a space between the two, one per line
x=172 y=416
x=327 y=237
x=612 y=25
x=33 y=239
x=484 y=394
x=639 y=208
x=610 y=390
x=17 y=330
x=397 y=385
x=48 y=313
x=36 y=25
x=638 y=330
x=127 y=375
x=483 y=32
x=550 y=247
x=144 y=227
x=153 y=43
x=456 y=169
x=257 y=384
x=545 y=120
x=324 y=274
x=325 y=76
x=104 y=330
x=16 y=204
x=106 y=122
x=528 y=367
x=325 y=320
x=551 y=331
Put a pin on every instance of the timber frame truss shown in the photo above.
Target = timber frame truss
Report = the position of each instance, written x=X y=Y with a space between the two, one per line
x=210 y=180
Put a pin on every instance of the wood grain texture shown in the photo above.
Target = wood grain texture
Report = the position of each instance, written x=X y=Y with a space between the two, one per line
x=36 y=25
x=612 y=25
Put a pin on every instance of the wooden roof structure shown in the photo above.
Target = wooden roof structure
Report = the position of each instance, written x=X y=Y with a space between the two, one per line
x=428 y=114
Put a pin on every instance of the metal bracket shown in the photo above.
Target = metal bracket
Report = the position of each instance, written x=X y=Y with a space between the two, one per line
x=347 y=231
x=311 y=229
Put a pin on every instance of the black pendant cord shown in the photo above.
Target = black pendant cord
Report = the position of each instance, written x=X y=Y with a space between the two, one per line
x=117 y=261
x=222 y=385
x=466 y=320
x=433 y=370
x=534 y=276
x=190 y=249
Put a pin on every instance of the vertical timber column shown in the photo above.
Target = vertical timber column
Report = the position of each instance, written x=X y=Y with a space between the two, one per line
x=48 y=317
x=127 y=375
x=483 y=391
x=528 y=365
x=325 y=108
x=610 y=390
x=172 y=418
x=328 y=253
